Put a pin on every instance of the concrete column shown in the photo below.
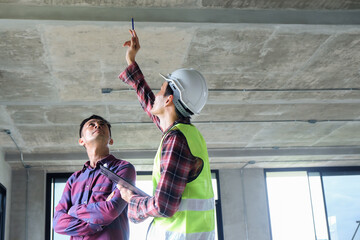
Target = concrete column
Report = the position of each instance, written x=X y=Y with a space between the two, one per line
x=245 y=211
x=258 y=220
x=33 y=211
x=5 y=180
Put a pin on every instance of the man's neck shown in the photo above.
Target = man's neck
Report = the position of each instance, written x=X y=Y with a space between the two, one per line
x=96 y=154
x=167 y=120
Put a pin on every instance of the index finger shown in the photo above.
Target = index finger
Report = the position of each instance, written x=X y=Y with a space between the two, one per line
x=131 y=32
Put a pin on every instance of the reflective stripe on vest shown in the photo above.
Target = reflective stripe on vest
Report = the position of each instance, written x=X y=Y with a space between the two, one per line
x=195 y=218
x=197 y=204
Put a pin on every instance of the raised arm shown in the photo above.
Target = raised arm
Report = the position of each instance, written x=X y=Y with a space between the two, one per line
x=133 y=76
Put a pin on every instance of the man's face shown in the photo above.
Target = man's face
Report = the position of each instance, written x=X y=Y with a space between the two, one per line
x=160 y=100
x=95 y=130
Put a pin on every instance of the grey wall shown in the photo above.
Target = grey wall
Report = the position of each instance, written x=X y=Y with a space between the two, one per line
x=244 y=205
x=5 y=180
x=28 y=220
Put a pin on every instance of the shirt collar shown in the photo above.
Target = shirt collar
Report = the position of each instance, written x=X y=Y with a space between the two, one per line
x=102 y=161
x=185 y=120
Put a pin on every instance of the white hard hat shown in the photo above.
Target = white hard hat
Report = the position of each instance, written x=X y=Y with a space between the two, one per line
x=190 y=90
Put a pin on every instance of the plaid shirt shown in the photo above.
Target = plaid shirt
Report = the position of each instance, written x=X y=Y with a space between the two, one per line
x=84 y=213
x=177 y=165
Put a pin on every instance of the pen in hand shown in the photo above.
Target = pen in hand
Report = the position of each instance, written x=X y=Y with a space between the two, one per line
x=132 y=26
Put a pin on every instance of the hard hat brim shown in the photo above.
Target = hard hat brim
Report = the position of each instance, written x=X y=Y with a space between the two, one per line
x=165 y=77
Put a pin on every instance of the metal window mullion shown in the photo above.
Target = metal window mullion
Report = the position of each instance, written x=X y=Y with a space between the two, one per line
x=325 y=207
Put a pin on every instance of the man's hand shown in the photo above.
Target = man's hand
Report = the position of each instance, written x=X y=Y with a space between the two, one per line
x=126 y=194
x=133 y=47
x=110 y=196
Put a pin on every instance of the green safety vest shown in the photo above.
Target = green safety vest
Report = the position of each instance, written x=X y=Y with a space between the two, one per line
x=195 y=218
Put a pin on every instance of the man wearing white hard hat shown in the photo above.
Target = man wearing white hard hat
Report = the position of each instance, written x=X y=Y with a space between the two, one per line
x=183 y=200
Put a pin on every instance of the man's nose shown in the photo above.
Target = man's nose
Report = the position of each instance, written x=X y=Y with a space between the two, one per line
x=97 y=125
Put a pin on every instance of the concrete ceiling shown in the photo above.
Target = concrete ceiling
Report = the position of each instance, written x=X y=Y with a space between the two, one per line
x=284 y=78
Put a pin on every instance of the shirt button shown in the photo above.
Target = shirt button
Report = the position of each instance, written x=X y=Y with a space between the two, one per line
x=85 y=202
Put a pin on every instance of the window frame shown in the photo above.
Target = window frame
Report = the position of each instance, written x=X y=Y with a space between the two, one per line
x=49 y=196
x=321 y=171
x=3 y=213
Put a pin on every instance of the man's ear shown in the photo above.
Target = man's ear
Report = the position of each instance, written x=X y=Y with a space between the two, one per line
x=169 y=100
x=81 y=142
x=111 y=142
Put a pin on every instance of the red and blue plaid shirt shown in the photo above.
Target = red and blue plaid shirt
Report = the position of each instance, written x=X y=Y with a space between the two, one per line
x=177 y=165
x=84 y=213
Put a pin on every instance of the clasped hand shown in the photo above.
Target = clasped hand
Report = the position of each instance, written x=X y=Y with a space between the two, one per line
x=126 y=193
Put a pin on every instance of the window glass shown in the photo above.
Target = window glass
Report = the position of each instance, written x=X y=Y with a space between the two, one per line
x=342 y=194
x=290 y=206
x=325 y=199
x=58 y=188
x=318 y=206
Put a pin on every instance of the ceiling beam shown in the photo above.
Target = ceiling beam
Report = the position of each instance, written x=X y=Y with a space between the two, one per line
x=213 y=153
x=193 y=15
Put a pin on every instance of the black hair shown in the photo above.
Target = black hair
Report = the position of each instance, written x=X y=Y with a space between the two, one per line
x=168 y=92
x=94 y=117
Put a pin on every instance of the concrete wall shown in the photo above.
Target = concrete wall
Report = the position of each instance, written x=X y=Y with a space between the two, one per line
x=244 y=204
x=5 y=180
x=28 y=220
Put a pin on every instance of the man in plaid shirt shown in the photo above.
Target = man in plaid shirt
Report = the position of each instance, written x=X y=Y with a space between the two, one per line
x=91 y=206
x=178 y=166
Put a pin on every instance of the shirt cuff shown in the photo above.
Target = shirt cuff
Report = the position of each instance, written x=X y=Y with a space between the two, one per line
x=134 y=214
x=95 y=227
